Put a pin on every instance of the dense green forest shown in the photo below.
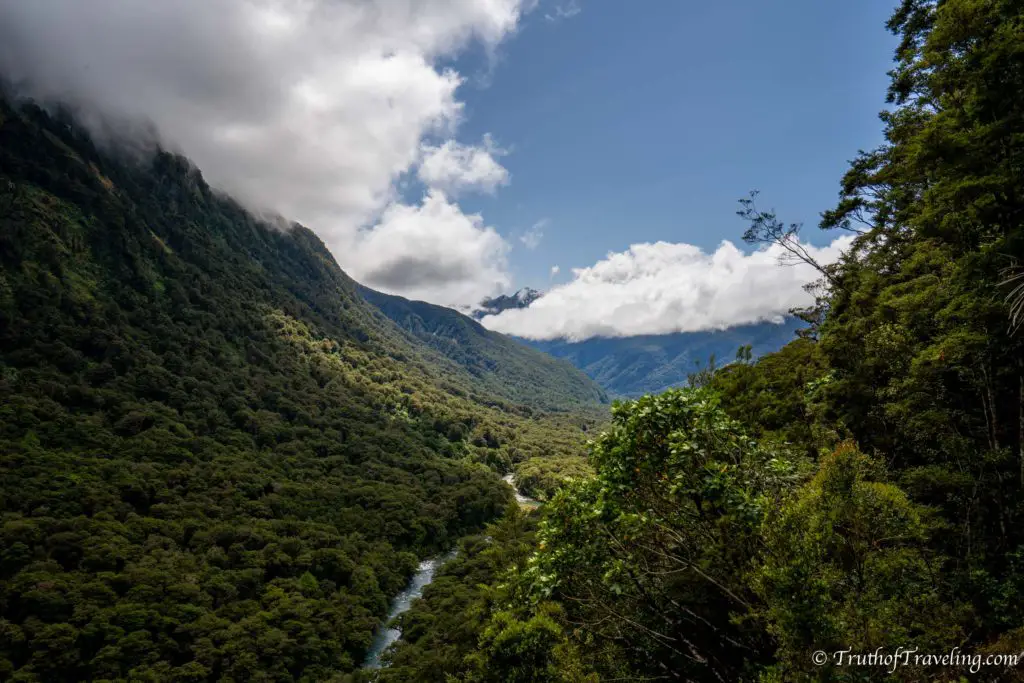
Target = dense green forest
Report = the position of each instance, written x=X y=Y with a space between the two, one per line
x=860 y=490
x=217 y=461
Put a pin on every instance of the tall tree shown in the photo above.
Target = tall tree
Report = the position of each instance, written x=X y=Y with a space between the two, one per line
x=926 y=368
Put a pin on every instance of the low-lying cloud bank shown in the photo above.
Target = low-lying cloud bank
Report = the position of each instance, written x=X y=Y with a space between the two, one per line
x=662 y=288
x=313 y=109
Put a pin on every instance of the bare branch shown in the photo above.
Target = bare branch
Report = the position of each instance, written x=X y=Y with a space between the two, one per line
x=766 y=228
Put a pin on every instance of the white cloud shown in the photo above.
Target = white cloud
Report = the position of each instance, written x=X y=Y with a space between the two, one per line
x=454 y=167
x=554 y=271
x=433 y=252
x=531 y=238
x=565 y=10
x=662 y=288
x=311 y=108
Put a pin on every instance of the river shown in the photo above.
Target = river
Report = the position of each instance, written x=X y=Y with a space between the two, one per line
x=387 y=635
x=524 y=501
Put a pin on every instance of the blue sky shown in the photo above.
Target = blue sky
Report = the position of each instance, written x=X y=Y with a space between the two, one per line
x=634 y=122
x=421 y=140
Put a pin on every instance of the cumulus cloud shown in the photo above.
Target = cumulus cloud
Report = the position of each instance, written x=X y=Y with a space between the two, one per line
x=662 y=288
x=310 y=108
x=532 y=237
x=555 y=270
x=454 y=167
x=433 y=252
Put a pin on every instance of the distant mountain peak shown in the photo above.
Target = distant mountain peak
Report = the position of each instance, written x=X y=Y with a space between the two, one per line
x=520 y=299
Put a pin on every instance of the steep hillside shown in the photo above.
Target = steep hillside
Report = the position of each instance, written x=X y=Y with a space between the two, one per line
x=633 y=366
x=500 y=364
x=216 y=460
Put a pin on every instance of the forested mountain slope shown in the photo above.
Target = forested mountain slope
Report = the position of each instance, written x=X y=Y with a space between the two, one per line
x=500 y=364
x=216 y=460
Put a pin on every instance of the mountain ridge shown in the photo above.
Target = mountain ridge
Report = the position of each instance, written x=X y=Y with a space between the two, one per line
x=499 y=361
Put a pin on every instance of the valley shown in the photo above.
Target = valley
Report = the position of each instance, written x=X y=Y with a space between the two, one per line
x=223 y=459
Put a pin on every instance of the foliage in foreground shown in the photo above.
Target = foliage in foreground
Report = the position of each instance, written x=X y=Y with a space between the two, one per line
x=696 y=553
